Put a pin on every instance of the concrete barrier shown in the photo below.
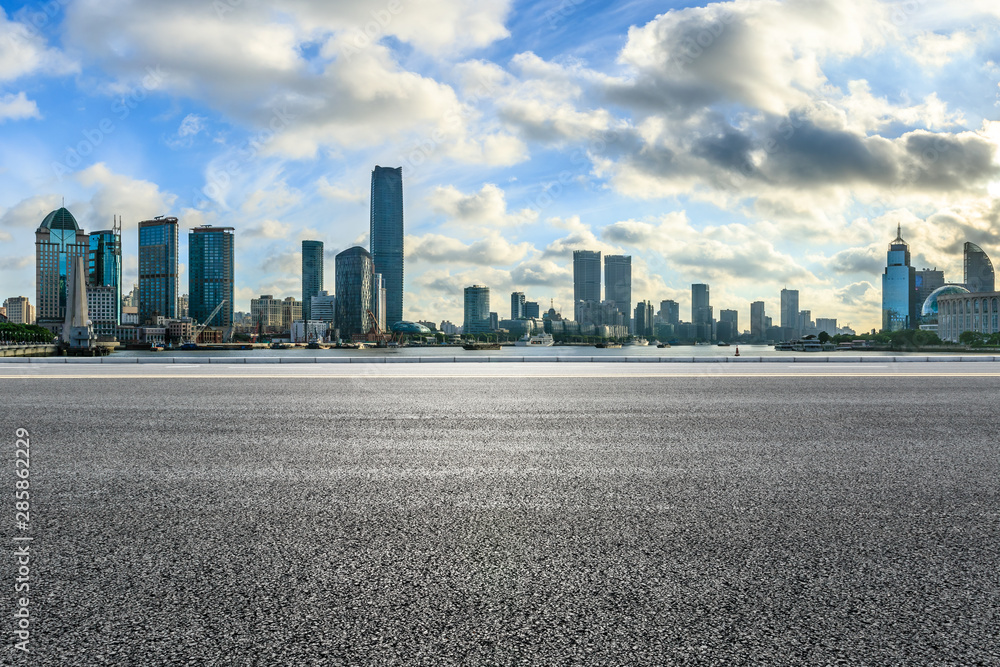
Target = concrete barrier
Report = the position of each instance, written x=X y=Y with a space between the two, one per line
x=474 y=358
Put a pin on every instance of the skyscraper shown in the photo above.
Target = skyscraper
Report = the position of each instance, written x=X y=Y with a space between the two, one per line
x=701 y=307
x=670 y=311
x=586 y=275
x=58 y=241
x=618 y=283
x=643 y=319
x=312 y=274
x=105 y=266
x=731 y=316
x=387 y=236
x=517 y=305
x=899 y=287
x=927 y=280
x=477 y=310
x=979 y=275
x=532 y=309
x=757 y=321
x=210 y=274
x=790 y=311
x=354 y=286
x=158 y=267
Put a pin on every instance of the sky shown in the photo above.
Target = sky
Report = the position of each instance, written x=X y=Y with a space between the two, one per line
x=750 y=145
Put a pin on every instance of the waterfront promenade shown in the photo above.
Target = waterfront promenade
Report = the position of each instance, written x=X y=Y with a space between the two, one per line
x=506 y=513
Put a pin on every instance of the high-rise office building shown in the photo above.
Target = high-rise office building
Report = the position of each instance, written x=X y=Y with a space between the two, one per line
x=618 y=283
x=355 y=276
x=927 y=280
x=586 y=275
x=805 y=322
x=266 y=314
x=670 y=311
x=323 y=307
x=979 y=275
x=643 y=315
x=517 y=305
x=758 y=321
x=19 y=310
x=477 y=310
x=312 y=274
x=58 y=241
x=790 y=311
x=210 y=274
x=827 y=324
x=532 y=309
x=387 y=236
x=701 y=307
x=732 y=318
x=105 y=267
x=899 y=287
x=158 y=269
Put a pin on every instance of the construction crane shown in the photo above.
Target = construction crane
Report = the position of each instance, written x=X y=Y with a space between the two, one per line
x=197 y=330
x=375 y=332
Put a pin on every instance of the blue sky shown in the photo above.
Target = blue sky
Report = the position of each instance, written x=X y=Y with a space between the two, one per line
x=751 y=145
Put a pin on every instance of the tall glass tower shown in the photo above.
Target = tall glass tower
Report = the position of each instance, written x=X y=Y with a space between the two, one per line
x=355 y=282
x=105 y=263
x=618 y=283
x=477 y=310
x=158 y=269
x=58 y=241
x=312 y=275
x=210 y=274
x=979 y=275
x=899 y=287
x=586 y=275
x=386 y=236
x=790 y=310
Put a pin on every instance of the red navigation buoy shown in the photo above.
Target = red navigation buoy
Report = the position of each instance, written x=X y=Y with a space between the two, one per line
x=737 y=350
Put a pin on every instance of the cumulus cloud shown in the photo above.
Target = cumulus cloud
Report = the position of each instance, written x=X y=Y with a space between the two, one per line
x=17 y=107
x=486 y=208
x=267 y=229
x=117 y=194
x=338 y=95
x=23 y=51
x=491 y=251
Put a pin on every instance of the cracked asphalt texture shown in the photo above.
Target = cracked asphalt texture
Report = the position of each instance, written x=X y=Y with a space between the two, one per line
x=507 y=521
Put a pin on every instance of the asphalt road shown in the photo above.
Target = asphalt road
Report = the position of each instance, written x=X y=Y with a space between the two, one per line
x=380 y=519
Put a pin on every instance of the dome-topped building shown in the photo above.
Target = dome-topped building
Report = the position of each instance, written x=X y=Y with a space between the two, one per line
x=60 y=219
x=58 y=241
x=929 y=311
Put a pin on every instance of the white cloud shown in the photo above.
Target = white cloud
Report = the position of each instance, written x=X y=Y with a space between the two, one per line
x=490 y=251
x=486 y=208
x=23 y=51
x=267 y=229
x=17 y=107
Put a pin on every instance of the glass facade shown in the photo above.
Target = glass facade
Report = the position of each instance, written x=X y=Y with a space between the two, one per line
x=105 y=264
x=210 y=274
x=979 y=276
x=517 y=305
x=899 y=287
x=477 y=310
x=618 y=283
x=158 y=269
x=58 y=240
x=355 y=277
x=312 y=275
x=586 y=275
x=386 y=236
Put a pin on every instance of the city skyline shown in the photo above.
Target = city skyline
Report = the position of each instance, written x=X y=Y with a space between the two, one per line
x=525 y=132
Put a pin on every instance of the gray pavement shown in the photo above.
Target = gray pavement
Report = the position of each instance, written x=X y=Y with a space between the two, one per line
x=328 y=516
